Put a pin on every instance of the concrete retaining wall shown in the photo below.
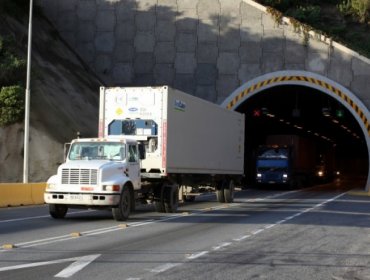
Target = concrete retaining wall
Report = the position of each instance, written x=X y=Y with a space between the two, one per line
x=206 y=48
x=17 y=194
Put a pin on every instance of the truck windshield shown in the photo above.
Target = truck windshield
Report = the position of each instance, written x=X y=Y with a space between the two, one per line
x=97 y=150
x=273 y=153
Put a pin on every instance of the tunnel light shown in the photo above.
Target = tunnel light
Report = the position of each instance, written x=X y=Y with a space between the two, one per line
x=326 y=112
x=339 y=113
x=335 y=121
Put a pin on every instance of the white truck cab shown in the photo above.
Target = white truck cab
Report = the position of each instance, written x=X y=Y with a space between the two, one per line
x=98 y=173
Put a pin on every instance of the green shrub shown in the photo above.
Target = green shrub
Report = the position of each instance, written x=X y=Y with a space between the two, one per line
x=11 y=105
x=12 y=67
x=309 y=14
x=359 y=9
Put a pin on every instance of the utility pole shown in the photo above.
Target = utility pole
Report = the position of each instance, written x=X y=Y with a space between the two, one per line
x=27 y=99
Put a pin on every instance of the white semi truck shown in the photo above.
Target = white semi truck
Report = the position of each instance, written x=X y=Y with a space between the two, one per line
x=155 y=144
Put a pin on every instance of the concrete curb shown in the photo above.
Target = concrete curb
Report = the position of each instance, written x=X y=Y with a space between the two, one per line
x=359 y=192
x=18 y=194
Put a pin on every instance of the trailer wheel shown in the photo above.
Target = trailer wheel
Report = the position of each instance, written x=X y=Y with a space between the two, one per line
x=229 y=191
x=171 y=201
x=58 y=211
x=122 y=212
x=188 y=198
x=220 y=194
x=159 y=200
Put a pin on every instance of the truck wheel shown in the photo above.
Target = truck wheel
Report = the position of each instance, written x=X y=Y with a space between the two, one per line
x=159 y=199
x=188 y=198
x=122 y=212
x=229 y=192
x=159 y=206
x=58 y=211
x=171 y=195
x=220 y=192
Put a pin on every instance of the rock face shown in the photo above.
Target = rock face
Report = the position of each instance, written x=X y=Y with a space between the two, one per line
x=64 y=101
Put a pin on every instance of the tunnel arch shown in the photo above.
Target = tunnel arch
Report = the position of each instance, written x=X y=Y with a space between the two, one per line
x=303 y=78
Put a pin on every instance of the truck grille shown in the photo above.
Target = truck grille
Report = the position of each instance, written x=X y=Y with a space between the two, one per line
x=80 y=176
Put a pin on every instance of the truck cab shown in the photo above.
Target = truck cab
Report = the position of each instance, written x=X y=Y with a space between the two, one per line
x=273 y=165
x=97 y=173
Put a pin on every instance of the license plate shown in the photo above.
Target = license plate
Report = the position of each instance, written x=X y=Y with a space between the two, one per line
x=75 y=197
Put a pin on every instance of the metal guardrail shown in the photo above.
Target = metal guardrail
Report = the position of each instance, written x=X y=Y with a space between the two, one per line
x=18 y=194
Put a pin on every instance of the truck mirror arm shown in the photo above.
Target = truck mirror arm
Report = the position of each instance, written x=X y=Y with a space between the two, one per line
x=141 y=150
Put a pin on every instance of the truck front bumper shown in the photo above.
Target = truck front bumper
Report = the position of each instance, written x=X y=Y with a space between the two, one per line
x=88 y=199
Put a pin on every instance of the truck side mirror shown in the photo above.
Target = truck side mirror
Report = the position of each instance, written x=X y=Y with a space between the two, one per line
x=66 y=150
x=142 y=150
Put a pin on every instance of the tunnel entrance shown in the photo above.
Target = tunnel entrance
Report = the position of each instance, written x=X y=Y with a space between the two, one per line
x=309 y=106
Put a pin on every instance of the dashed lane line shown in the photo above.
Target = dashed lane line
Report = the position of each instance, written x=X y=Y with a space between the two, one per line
x=168 y=266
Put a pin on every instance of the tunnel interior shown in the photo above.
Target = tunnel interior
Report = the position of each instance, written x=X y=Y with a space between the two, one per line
x=307 y=113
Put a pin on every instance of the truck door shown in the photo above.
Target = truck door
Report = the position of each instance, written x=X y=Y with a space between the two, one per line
x=133 y=165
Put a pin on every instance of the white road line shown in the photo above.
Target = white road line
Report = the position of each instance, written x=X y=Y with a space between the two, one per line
x=289 y=218
x=76 y=266
x=163 y=268
x=257 y=231
x=43 y=216
x=223 y=245
x=197 y=255
x=242 y=237
x=270 y=226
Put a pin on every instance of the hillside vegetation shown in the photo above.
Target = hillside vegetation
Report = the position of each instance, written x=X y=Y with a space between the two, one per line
x=346 y=21
x=63 y=98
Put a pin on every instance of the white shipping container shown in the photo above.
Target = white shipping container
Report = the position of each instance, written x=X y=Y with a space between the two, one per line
x=184 y=134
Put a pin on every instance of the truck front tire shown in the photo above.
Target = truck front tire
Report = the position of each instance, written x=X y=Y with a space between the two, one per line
x=122 y=211
x=58 y=211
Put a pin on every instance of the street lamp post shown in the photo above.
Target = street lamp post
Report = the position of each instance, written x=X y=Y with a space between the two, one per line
x=27 y=99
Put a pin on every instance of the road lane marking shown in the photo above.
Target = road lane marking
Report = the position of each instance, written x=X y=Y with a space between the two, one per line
x=223 y=245
x=98 y=231
x=258 y=231
x=43 y=216
x=196 y=255
x=163 y=268
x=78 y=264
x=242 y=237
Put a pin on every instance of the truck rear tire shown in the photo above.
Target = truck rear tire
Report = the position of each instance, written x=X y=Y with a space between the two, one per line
x=220 y=194
x=229 y=191
x=122 y=211
x=171 y=198
x=58 y=211
x=159 y=199
x=159 y=206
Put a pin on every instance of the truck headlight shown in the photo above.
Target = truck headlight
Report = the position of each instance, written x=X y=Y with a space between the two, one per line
x=285 y=176
x=51 y=186
x=111 y=188
x=259 y=175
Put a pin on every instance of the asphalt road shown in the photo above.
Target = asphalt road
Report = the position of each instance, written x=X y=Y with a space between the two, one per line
x=314 y=233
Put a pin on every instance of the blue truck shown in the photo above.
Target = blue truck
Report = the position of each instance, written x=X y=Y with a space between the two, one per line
x=286 y=159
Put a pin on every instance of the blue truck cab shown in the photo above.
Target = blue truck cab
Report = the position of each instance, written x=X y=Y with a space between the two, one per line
x=273 y=164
